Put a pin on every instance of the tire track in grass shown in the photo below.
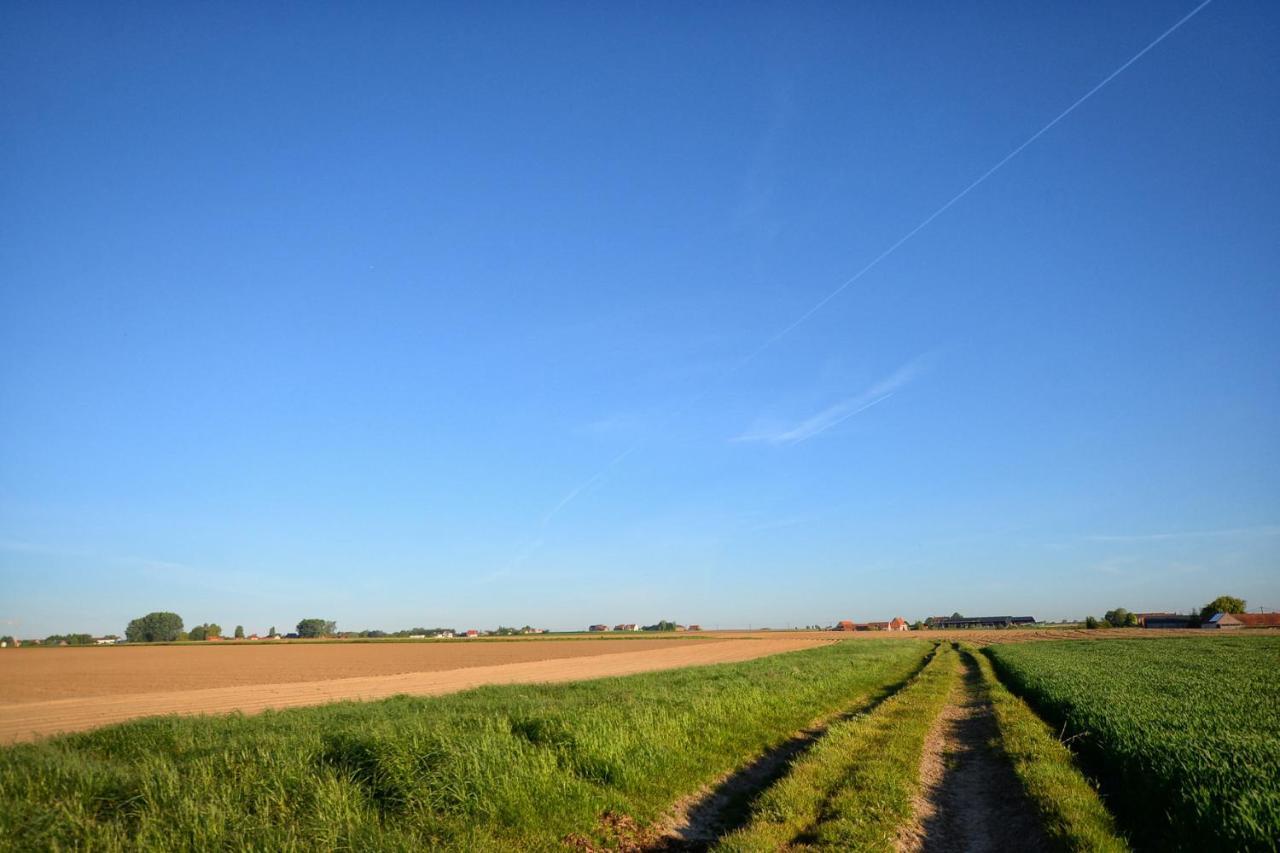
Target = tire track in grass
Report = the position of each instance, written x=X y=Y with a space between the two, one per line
x=1070 y=809
x=698 y=821
x=852 y=789
x=970 y=798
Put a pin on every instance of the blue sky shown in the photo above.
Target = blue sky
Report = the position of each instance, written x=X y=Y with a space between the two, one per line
x=413 y=315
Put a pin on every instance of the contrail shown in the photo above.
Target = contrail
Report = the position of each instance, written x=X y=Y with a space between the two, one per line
x=924 y=223
x=873 y=263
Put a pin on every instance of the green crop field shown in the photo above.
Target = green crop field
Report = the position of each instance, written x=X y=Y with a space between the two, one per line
x=495 y=768
x=1182 y=733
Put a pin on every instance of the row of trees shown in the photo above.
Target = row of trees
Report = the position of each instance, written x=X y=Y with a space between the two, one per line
x=166 y=627
x=1122 y=618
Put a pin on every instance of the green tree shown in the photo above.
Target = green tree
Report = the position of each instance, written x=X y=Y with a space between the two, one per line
x=1091 y=623
x=239 y=632
x=7 y=640
x=1120 y=618
x=1222 y=604
x=205 y=632
x=272 y=632
x=311 y=628
x=69 y=639
x=157 y=627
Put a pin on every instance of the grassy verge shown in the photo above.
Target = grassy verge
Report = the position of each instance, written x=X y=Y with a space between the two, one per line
x=517 y=767
x=1182 y=733
x=1072 y=815
x=854 y=789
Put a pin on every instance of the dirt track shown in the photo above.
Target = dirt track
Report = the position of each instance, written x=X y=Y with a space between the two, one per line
x=21 y=721
x=970 y=801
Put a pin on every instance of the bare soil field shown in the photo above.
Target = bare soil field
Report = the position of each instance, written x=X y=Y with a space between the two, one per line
x=158 y=680
x=37 y=675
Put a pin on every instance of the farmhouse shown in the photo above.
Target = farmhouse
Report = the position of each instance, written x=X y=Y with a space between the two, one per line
x=1222 y=622
x=598 y=628
x=1259 y=620
x=896 y=624
x=627 y=626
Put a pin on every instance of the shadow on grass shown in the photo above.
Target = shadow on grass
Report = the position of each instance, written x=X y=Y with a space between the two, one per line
x=709 y=816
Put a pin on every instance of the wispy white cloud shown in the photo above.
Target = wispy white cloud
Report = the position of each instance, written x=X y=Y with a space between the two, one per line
x=837 y=414
x=1226 y=532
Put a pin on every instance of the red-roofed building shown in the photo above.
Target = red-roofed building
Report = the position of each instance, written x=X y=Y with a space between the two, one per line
x=1258 y=620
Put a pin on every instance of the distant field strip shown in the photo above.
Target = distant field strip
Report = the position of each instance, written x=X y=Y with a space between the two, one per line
x=498 y=768
x=1183 y=734
x=27 y=720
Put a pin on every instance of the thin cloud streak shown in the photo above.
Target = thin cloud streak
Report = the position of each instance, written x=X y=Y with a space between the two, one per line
x=874 y=262
x=835 y=415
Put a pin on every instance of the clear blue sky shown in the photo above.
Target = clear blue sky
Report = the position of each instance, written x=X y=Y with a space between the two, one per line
x=324 y=310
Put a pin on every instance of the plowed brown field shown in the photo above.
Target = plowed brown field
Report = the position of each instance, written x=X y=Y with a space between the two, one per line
x=99 y=686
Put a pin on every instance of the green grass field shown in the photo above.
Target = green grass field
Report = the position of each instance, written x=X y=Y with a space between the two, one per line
x=1182 y=733
x=496 y=768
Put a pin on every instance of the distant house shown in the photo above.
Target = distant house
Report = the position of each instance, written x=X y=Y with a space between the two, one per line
x=598 y=628
x=627 y=626
x=695 y=627
x=1259 y=620
x=473 y=633
x=106 y=641
x=1236 y=621
x=896 y=624
x=1167 y=620
x=985 y=622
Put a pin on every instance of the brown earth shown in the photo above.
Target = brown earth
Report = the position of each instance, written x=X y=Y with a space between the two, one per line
x=417 y=670
x=41 y=674
x=970 y=800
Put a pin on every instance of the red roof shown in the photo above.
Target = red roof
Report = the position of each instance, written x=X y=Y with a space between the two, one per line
x=1259 y=620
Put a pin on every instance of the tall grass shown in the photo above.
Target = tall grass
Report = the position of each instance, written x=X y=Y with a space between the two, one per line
x=1183 y=733
x=854 y=789
x=514 y=767
x=1069 y=808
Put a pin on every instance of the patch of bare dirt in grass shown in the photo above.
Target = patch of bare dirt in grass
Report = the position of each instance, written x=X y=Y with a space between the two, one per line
x=970 y=800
